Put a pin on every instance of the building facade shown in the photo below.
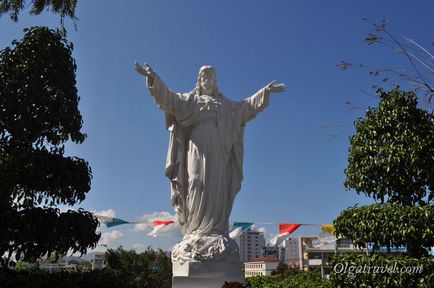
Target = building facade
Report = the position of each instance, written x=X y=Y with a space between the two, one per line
x=319 y=256
x=98 y=261
x=270 y=252
x=295 y=254
x=260 y=266
x=250 y=244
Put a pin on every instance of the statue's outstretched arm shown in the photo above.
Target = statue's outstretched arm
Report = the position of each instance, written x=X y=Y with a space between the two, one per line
x=164 y=97
x=147 y=72
x=275 y=88
x=258 y=101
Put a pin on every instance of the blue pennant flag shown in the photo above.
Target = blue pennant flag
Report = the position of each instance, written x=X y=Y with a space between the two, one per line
x=110 y=222
x=239 y=228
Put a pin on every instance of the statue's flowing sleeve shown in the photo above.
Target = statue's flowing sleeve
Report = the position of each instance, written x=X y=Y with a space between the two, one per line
x=181 y=111
x=231 y=121
x=254 y=104
x=176 y=104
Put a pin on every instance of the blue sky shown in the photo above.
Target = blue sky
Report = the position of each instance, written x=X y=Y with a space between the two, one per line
x=294 y=169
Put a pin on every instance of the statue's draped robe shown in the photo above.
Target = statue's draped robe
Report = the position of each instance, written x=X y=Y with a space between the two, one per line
x=205 y=156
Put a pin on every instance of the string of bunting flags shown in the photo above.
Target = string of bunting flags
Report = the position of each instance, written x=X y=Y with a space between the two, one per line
x=326 y=237
x=238 y=228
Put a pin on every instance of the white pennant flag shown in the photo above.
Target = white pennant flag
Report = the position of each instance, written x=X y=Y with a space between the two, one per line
x=236 y=232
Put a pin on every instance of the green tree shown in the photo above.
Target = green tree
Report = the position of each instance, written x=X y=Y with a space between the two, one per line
x=151 y=268
x=38 y=114
x=284 y=271
x=391 y=159
x=391 y=156
x=65 y=8
x=281 y=270
x=301 y=279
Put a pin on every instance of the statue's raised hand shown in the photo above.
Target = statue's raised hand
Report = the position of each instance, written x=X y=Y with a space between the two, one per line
x=145 y=71
x=275 y=88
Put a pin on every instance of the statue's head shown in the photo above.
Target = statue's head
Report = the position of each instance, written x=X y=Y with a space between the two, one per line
x=206 y=82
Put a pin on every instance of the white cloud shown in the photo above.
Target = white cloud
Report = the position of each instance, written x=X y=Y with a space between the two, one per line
x=171 y=230
x=270 y=237
x=263 y=230
x=108 y=238
x=148 y=218
x=106 y=213
x=267 y=234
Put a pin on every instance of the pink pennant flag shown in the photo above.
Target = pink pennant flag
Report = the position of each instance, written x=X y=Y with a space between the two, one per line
x=159 y=225
x=285 y=230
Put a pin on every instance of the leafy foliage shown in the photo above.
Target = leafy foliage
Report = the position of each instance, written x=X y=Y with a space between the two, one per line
x=233 y=285
x=392 y=160
x=67 y=279
x=389 y=225
x=391 y=156
x=38 y=114
x=62 y=7
x=299 y=280
x=273 y=281
x=385 y=271
x=284 y=271
x=148 y=269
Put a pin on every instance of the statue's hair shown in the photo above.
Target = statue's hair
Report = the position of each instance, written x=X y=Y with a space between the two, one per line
x=198 y=88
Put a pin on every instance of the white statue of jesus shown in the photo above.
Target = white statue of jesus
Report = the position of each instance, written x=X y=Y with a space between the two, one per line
x=205 y=160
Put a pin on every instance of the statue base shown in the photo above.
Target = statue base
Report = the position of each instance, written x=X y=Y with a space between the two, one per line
x=205 y=274
x=206 y=248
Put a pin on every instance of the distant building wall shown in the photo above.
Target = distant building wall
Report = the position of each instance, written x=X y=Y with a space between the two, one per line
x=250 y=244
x=293 y=253
x=270 y=252
x=98 y=261
x=260 y=266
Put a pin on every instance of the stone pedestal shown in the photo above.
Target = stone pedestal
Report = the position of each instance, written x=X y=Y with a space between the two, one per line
x=205 y=274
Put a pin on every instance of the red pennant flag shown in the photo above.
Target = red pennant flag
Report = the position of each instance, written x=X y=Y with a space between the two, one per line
x=158 y=225
x=288 y=228
x=162 y=222
x=285 y=231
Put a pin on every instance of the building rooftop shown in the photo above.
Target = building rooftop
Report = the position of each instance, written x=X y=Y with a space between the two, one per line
x=264 y=259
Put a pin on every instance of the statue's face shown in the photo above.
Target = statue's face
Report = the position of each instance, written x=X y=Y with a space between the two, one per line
x=207 y=82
